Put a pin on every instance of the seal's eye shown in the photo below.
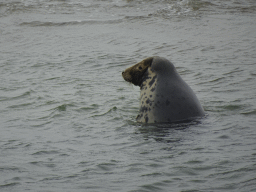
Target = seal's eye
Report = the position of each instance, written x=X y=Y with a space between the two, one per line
x=140 y=67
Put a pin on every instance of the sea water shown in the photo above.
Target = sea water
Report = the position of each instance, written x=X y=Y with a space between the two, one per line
x=68 y=119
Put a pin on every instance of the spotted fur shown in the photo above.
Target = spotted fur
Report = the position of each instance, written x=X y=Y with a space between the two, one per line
x=164 y=96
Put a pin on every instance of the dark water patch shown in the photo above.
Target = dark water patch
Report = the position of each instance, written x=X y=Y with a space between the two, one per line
x=85 y=171
x=84 y=163
x=72 y=176
x=252 y=73
x=199 y=148
x=52 y=78
x=198 y=181
x=64 y=155
x=224 y=137
x=194 y=162
x=64 y=107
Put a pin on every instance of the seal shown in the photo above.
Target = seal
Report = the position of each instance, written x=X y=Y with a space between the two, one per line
x=164 y=97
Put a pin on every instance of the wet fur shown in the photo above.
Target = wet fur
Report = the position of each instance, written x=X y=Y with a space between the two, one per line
x=164 y=96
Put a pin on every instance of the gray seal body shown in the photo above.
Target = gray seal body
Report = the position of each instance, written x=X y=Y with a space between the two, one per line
x=165 y=96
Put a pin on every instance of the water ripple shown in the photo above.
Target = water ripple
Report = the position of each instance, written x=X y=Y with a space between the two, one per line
x=84 y=22
x=68 y=119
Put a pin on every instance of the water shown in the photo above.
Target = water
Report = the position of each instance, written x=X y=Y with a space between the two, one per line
x=68 y=118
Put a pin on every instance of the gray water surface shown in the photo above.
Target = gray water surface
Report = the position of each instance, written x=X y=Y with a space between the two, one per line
x=68 y=119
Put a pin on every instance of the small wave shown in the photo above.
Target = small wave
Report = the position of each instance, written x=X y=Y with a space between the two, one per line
x=9 y=185
x=217 y=79
x=63 y=107
x=49 y=7
x=67 y=23
x=181 y=8
x=20 y=96
x=252 y=112
x=82 y=109
x=232 y=107
x=106 y=166
x=21 y=105
x=3 y=169
x=45 y=152
x=109 y=111
x=224 y=108
x=135 y=18
x=152 y=187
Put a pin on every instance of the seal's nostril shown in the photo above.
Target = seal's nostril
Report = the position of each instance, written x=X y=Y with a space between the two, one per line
x=122 y=72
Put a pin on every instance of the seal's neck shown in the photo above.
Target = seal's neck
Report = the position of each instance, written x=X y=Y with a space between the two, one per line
x=148 y=79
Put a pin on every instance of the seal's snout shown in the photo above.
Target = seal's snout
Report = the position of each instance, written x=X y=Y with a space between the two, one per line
x=126 y=76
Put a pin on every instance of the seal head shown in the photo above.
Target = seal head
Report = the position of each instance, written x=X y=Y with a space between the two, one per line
x=135 y=74
x=164 y=96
